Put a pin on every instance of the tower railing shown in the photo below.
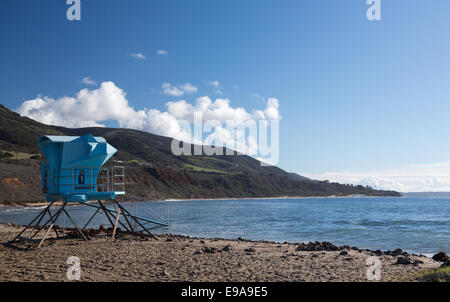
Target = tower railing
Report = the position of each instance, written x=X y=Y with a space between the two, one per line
x=107 y=179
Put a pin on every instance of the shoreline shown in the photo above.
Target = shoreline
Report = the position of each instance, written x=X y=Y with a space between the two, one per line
x=240 y=239
x=182 y=258
x=280 y=197
x=43 y=203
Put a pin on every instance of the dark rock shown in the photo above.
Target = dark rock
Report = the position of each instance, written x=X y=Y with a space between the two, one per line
x=202 y=242
x=404 y=260
x=197 y=252
x=441 y=257
x=226 y=248
x=397 y=252
x=250 y=250
x=446 y=264
x=378 y=253
x=314 y=256
x=317 y=246
x=343 y=253
x=209 y=250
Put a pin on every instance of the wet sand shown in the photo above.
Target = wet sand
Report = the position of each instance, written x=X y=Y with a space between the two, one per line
x=178 y=258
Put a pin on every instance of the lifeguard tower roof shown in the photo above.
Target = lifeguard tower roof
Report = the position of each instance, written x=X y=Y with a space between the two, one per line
x=71 y=169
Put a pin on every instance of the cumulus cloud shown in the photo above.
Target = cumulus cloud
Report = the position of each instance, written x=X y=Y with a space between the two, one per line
x=162 y=52
x=180 y=90
x=138 y=55
x=88 y=81
x=91 y=108
x=189 y=88
x=407 y=178
x=220 y=110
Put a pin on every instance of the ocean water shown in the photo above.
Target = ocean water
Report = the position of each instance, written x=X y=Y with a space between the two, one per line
x=414 y=224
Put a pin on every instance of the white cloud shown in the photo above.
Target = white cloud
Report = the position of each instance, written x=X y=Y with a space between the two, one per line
x=180 y=90
x=271 y=112
x=407 y=178
x=216 y=86
x=88 y=81
x=219 y=110
x=138 y=55
x=255 y=95
x=91 y=108
x=189 y=88
x=162 y=52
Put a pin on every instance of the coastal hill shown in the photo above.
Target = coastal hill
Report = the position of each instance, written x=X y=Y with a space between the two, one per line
x=152 y=171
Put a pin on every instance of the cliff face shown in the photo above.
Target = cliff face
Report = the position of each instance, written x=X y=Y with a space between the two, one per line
x=152 y=171
x=21 y=184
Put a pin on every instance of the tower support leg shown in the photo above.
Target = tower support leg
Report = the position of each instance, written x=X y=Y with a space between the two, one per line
x=40 y=216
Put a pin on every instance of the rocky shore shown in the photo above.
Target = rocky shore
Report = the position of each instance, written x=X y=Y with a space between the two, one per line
x=181 y=258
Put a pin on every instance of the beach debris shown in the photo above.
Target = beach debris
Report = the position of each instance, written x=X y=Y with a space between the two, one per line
x=441 y=257
x=250 y=250
x=73 y=232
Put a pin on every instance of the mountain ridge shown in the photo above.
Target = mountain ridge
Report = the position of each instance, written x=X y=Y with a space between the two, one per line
x=153 y=172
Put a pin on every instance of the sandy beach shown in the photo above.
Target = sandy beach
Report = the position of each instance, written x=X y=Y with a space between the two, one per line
x=179 y=258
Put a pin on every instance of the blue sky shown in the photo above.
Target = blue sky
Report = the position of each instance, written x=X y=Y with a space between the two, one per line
x=363 y=102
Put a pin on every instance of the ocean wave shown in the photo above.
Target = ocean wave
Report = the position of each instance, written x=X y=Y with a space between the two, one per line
x=375 y=223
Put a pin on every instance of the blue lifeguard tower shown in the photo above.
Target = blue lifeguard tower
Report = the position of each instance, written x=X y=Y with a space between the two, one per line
x=72 y=172
x=71 y=169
